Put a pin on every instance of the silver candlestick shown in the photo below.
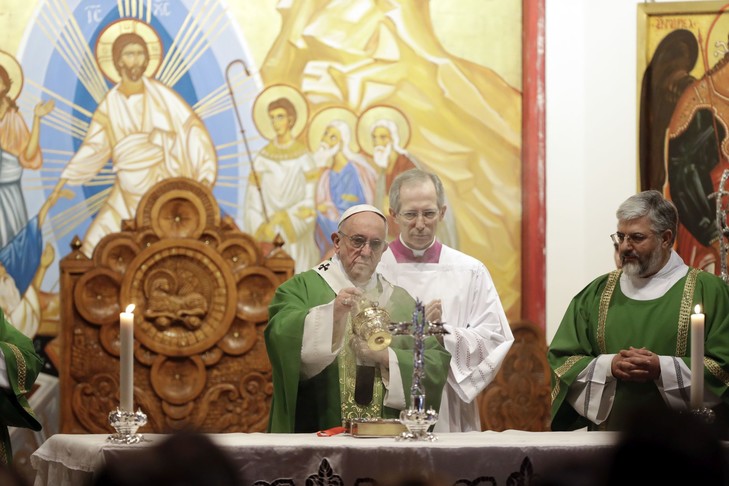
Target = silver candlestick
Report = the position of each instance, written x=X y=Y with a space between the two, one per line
x=126 y=425
x=417 y=419
x=705 y=414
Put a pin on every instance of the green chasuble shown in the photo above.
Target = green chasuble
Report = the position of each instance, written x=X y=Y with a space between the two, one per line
x=602 y=320
x=23 y=365
x=301 y=405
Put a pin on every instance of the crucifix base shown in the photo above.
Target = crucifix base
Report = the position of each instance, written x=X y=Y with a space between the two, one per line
x=418 y=423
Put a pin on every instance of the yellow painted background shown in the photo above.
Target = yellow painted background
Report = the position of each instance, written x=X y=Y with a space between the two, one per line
x=475 y=145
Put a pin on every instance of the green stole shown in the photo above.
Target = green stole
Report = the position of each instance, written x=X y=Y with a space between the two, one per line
x=346 y=360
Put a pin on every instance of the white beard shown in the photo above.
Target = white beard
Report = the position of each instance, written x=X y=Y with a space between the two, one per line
x=381 y=155
x=631 y=269
x=9 y=294
x=324 y=154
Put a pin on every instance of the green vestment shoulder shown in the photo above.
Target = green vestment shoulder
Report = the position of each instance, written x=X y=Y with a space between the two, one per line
x=300 y=405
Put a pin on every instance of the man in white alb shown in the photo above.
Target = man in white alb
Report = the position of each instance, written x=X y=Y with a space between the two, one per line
x=457 y=290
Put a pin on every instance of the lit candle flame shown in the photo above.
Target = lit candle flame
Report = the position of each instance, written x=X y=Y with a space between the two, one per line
x=130 y=308
x=697 y=309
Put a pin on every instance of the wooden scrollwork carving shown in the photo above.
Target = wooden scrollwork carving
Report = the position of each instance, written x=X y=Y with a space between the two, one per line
x=518 y=398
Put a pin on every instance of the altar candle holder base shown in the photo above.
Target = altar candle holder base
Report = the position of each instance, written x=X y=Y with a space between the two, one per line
x=704 y=414
x=126 y=425
x=418 y=423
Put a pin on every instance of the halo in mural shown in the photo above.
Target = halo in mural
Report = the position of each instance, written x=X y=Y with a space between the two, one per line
x=321 y=120
x=111 y=33
x=15 y=73
x=274 y=92
x=373 y=115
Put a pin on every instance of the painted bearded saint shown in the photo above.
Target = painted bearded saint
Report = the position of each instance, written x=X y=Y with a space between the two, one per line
x=394 y=160
x=346 y=180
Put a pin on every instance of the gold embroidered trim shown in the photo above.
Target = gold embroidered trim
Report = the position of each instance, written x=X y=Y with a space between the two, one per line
x=555 y=391
x=22 y=368
x=293 y=151
x=716 y=370
x=569 y=363
x=607 y=294
x=566 y=366
x=347 y=380
x=684 y=313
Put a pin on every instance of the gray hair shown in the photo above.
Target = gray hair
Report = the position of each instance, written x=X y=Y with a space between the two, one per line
x=391 y=127
x=415 y=175
x=661 y=212
x=345 y=135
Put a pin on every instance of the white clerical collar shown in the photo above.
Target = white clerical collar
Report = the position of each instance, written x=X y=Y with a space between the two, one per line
x=650 y=288
x=417 y=253
x=371 y=284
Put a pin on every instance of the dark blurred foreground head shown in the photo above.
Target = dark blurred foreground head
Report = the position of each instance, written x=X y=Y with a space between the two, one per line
x=658 y=446
x=669 y=447
x=184 y=458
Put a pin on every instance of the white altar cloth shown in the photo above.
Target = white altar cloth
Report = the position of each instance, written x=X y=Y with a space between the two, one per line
x=71 y=460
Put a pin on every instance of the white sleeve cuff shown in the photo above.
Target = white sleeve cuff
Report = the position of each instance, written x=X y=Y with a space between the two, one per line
x=593 y=392
x=317 y=349
x=394 y=389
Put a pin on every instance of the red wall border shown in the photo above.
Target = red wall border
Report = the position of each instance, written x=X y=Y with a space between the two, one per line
x=533 y=276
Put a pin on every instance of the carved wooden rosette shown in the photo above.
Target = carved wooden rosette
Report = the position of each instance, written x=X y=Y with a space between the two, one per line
x=201 y=290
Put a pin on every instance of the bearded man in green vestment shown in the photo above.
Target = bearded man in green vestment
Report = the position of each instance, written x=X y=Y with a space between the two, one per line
x=624 y=343
x=315 y=356
x=19 y=367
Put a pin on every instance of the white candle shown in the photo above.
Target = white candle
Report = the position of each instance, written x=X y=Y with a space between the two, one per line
x=697 y=358
x=126 y=358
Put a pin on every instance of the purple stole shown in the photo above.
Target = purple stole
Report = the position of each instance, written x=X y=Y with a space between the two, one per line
x=403 y=254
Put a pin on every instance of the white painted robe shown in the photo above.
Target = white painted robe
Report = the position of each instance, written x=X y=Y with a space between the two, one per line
x=149 y=137
x=287 y=177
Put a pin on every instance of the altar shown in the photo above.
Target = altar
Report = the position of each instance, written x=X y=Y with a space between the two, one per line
x=495 y=458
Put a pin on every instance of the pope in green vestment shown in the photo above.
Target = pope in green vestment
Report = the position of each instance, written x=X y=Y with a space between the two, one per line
x=601 y=320
x=304 y=403
x=23 y=365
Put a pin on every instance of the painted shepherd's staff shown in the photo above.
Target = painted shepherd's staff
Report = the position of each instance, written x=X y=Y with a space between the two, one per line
x=243 y=131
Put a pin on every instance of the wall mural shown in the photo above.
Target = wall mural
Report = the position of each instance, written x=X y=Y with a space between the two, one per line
x=684 y=102
x=290 y=111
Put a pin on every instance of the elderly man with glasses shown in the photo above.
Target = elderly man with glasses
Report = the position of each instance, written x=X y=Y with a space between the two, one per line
x=623 y=345
x=323 y=373
x=457 y=289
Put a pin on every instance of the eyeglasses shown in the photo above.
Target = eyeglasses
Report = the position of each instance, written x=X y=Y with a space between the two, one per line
x=634 y=238
x=428 y=215
x=359 y=241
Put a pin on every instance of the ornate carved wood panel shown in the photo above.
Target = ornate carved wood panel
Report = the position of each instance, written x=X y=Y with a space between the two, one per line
x=201 y=288
x=518 y=398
